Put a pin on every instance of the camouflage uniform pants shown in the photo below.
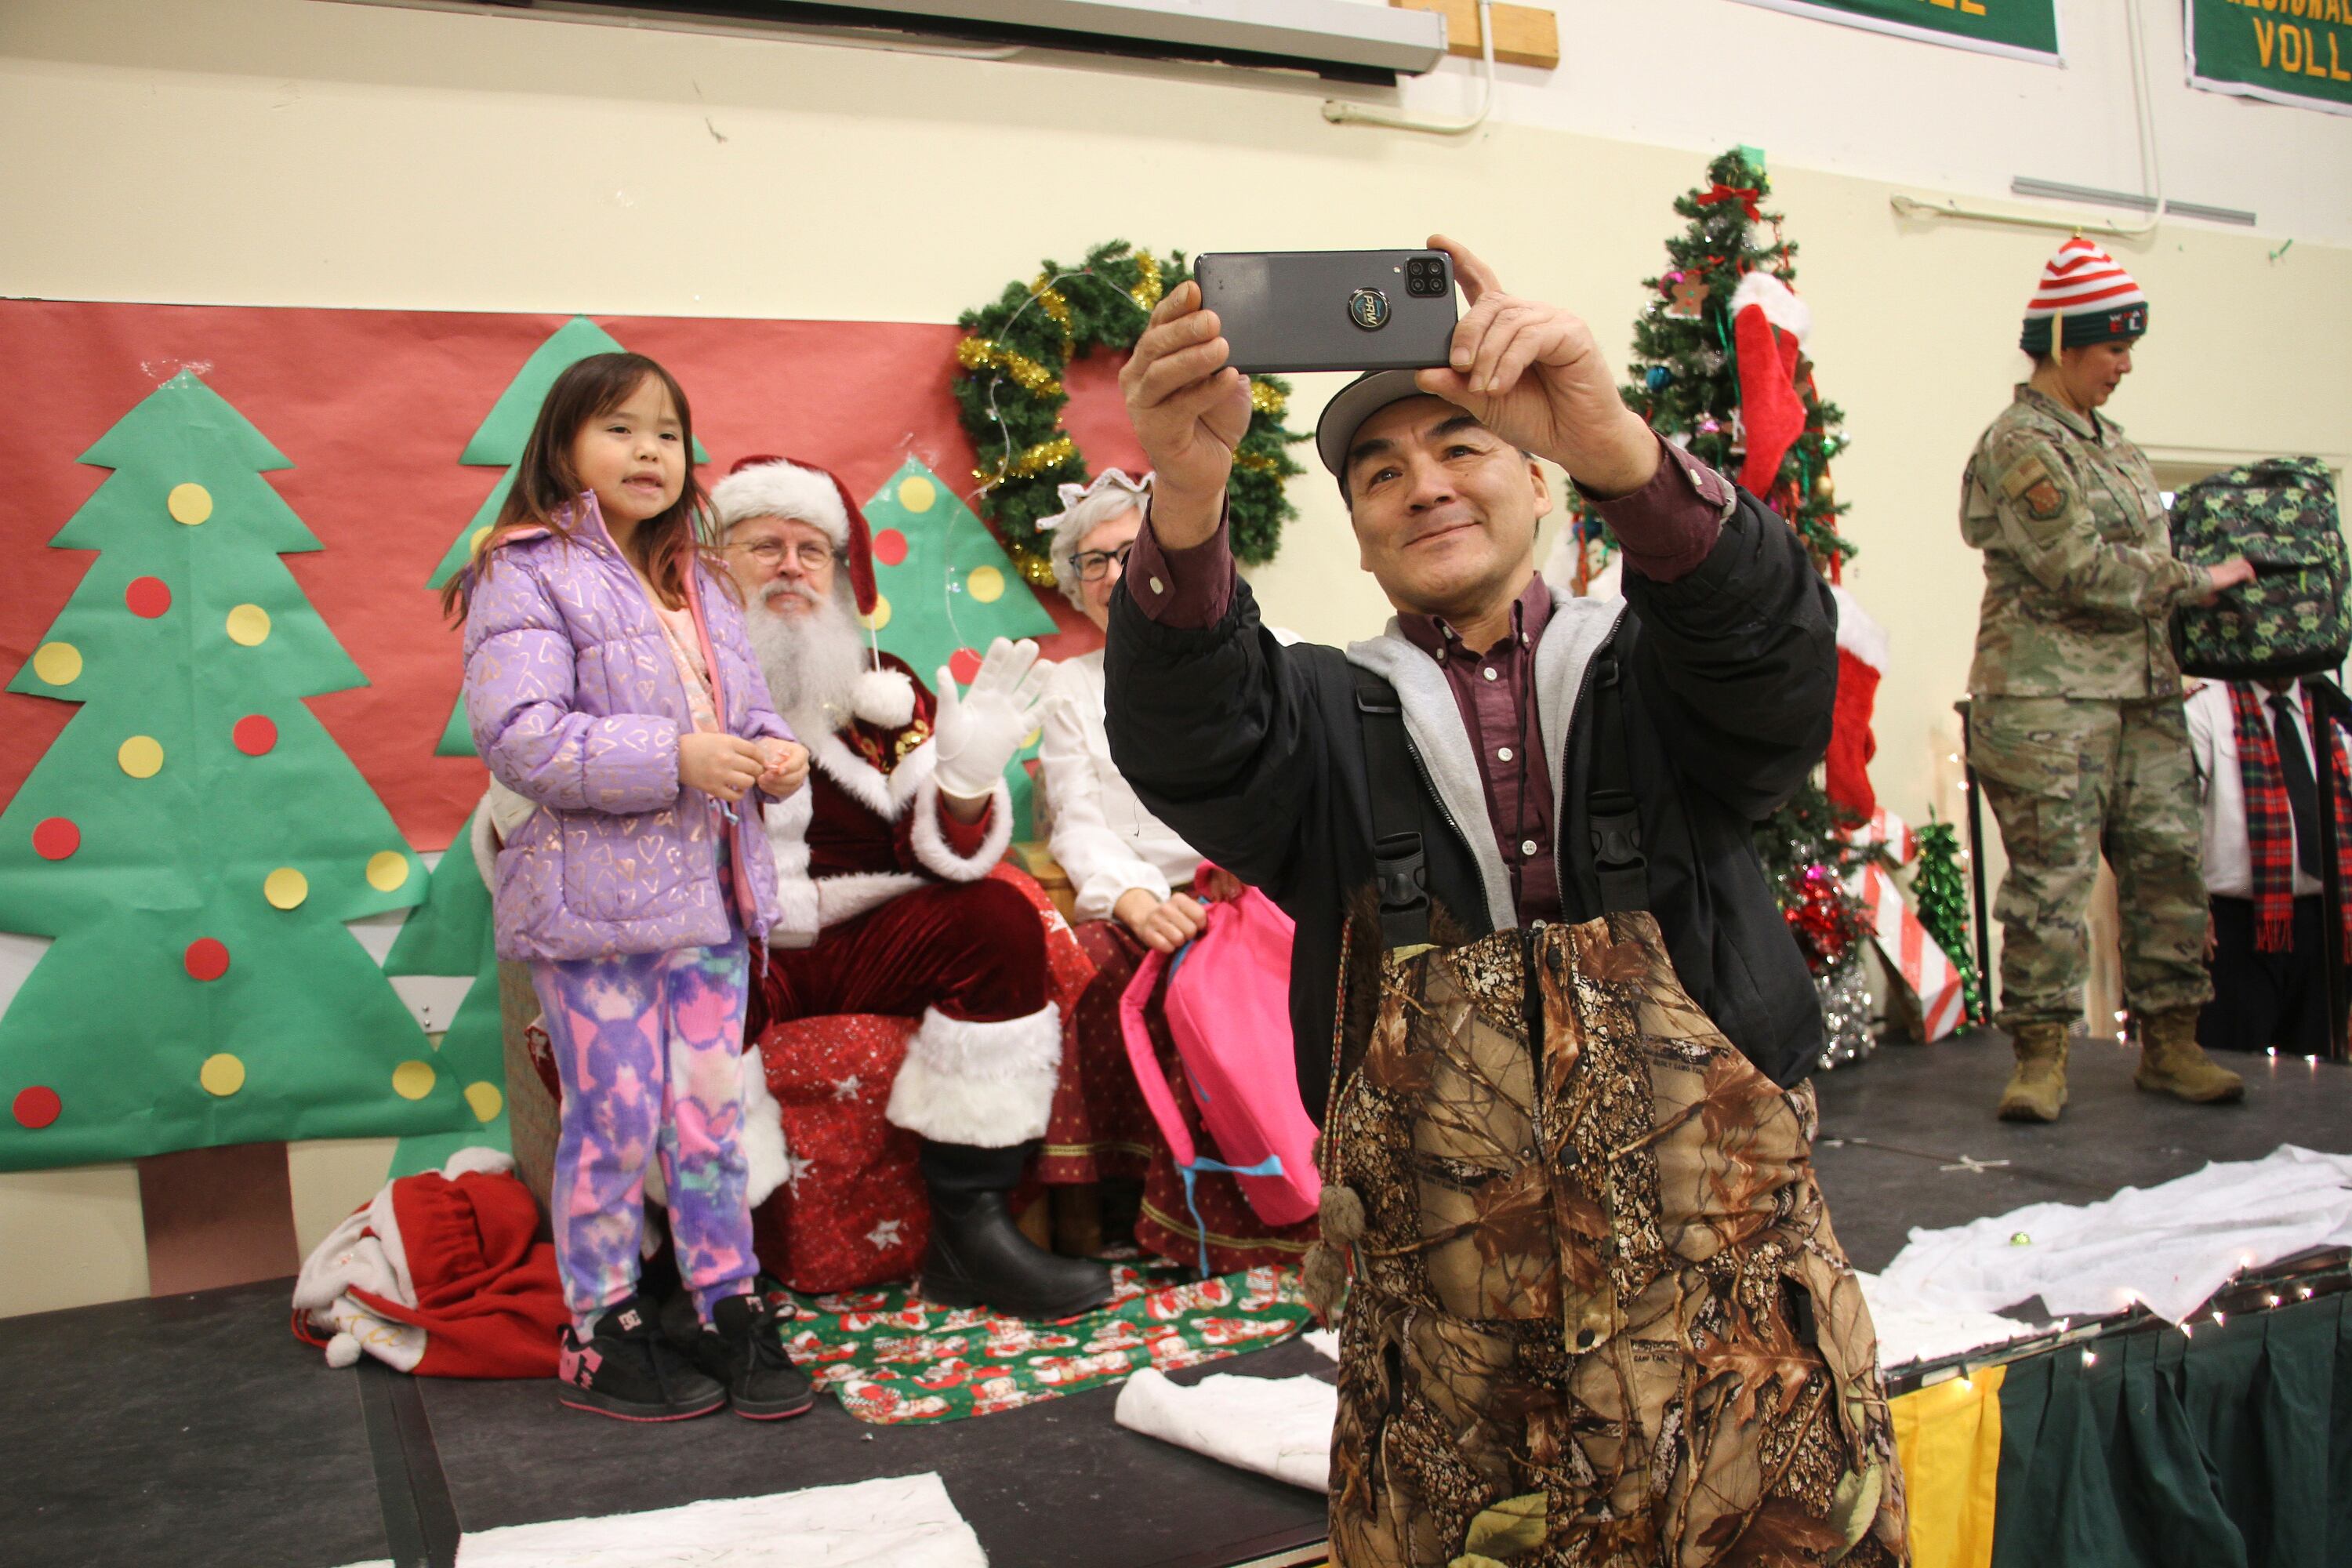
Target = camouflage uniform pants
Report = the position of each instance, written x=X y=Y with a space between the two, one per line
x=2070 y=779
x=1599 y=1319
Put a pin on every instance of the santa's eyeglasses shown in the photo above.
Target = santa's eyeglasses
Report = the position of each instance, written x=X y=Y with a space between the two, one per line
x=770 y=553
x=1092 y=564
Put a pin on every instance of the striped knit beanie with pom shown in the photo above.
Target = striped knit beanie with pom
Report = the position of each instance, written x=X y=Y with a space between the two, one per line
x=2089 y=291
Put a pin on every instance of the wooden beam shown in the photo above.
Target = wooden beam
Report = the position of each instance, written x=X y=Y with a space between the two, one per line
x=1524 y=35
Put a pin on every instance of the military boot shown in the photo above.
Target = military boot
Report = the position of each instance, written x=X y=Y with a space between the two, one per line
x=2172 y=1062
x=2036 y=1091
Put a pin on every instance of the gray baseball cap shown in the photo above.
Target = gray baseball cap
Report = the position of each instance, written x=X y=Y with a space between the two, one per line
x=1357 y=402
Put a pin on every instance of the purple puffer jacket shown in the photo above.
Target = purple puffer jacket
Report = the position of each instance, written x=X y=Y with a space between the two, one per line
x=577 y=705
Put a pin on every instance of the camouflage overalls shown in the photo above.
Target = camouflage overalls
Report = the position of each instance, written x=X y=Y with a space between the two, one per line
x=1597 y=1319
x=2076 y=725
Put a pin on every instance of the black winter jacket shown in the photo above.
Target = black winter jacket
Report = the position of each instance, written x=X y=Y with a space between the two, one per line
x=1253 y=752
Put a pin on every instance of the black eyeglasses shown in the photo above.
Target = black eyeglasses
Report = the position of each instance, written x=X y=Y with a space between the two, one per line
x=1093 y=564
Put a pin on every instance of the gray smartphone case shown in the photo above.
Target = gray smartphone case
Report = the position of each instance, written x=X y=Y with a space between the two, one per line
x=1331 y=310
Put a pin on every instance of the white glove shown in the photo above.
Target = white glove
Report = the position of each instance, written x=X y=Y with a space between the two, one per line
x=977 y=732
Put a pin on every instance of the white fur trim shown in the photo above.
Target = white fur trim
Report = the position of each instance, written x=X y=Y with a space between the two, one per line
x=767 y=1160
x=886 y=795
x=363 y=1252
x=782 y=489
x=1858 y=633
x=478 y=1160
x=884 y=697
x=482 y=838
x=786 y=823
x=1777 y=300
x=840 y=898
x=985 y=1084
x=931 y=840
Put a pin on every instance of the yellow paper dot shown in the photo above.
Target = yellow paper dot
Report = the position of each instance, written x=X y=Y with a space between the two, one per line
x=190 y=504
x=1032 y=738
x=249 y=625
x=413 y=1080
x=481 y=537
x=485 y=1099
x=387 y=869
x=58 y=663
x=879 y=619
x=142 y=757
x=222 y=1075
x=917 y=493
x=285 y=888
x=986 y=583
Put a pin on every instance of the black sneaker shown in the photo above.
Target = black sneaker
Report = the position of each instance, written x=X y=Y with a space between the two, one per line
x=627 y=1370
x=744 y=1348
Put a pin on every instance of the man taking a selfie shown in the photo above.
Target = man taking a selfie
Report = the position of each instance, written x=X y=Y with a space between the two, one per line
x=1545 y=1006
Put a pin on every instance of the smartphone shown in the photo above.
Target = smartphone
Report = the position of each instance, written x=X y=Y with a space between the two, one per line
x=1331 y=310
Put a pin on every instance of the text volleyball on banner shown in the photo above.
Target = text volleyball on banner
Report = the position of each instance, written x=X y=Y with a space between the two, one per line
x=2287 y=51
x=2022 y=29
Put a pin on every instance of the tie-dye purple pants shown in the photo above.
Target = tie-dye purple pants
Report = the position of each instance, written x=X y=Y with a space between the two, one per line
x=645 y=1046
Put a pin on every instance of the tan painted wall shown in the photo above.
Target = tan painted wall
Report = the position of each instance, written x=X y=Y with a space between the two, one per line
x=294 y=152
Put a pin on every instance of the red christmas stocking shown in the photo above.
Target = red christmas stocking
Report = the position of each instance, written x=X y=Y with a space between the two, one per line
x=1770 y=411
x=1862 y=662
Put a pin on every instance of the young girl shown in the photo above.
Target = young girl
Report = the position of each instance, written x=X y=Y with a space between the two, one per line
x=610 y=683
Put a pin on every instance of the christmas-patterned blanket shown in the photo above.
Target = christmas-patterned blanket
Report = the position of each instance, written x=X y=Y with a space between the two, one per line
x=894 y=1359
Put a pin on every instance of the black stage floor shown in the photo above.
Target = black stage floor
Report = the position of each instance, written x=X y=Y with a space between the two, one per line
x=197 y=1432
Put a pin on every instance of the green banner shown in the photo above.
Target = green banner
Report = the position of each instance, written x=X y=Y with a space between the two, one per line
x=2288 y=51
x=2022 y=29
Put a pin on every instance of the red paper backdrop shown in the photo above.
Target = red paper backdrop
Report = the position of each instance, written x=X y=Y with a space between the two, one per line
x=372 y=407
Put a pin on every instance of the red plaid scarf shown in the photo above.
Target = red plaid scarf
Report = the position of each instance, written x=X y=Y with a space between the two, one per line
x=2270 y=821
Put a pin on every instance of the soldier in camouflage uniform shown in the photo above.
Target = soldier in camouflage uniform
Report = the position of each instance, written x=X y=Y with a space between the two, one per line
x=2075 y=726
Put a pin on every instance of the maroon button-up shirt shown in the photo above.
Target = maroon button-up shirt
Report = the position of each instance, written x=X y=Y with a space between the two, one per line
x=1667 y=527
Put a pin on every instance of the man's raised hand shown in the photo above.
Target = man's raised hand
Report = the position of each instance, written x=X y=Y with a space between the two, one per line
x=1189 y=410
x=1532 y=374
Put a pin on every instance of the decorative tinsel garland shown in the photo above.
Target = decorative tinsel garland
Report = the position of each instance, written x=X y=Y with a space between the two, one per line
x=1009 y=386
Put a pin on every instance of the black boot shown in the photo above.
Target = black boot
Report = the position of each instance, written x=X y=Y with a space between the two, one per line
x=977 y=1255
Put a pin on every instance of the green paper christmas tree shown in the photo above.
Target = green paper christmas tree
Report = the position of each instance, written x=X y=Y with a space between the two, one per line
x=450 y=934
x=1941 y=892
x=948 y=590
x=194 y=840
x=498 y=444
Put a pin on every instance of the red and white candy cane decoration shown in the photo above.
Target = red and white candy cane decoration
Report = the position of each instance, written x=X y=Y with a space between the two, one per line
x=1911 y=952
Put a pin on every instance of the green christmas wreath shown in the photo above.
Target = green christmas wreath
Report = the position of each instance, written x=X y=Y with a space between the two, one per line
x=1009 y=387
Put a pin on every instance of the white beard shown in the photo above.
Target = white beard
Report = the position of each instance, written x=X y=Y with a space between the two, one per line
x=811 y=659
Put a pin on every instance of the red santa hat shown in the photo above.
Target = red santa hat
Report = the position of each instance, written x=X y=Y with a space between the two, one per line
x=441 y=1274
x=768 y=486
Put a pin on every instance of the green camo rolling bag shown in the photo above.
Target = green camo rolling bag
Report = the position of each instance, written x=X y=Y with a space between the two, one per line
x=2280 y=514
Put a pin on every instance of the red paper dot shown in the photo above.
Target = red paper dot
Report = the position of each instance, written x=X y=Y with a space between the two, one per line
x=56 y=837
x=889 y=547
x=964 y=664
x=37 y=1107
x=148 y=596
x=206 y=958
x=253 y=734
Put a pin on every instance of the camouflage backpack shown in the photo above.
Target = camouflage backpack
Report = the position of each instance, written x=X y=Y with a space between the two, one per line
x=2280 y=514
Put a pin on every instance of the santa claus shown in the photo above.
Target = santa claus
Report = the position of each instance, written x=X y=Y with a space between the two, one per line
x=882 y=866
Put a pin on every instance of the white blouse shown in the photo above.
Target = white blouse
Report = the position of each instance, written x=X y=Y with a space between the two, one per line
x=1103 y=835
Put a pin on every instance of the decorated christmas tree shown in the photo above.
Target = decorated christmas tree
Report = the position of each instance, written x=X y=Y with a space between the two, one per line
x=450 y=935
x=1940 y=889
x=1718 y=363
x=194 y=840
x=947 y=590
x=1718 y=368
x=498 y=444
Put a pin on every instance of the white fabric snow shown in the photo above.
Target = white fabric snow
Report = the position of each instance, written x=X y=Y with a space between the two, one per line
x=2168 y=1247
x=1911 y=1330
x=1279 y=1426
x=901 y=1521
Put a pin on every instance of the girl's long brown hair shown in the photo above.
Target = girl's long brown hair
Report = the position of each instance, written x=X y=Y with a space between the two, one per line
x=545 y=485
